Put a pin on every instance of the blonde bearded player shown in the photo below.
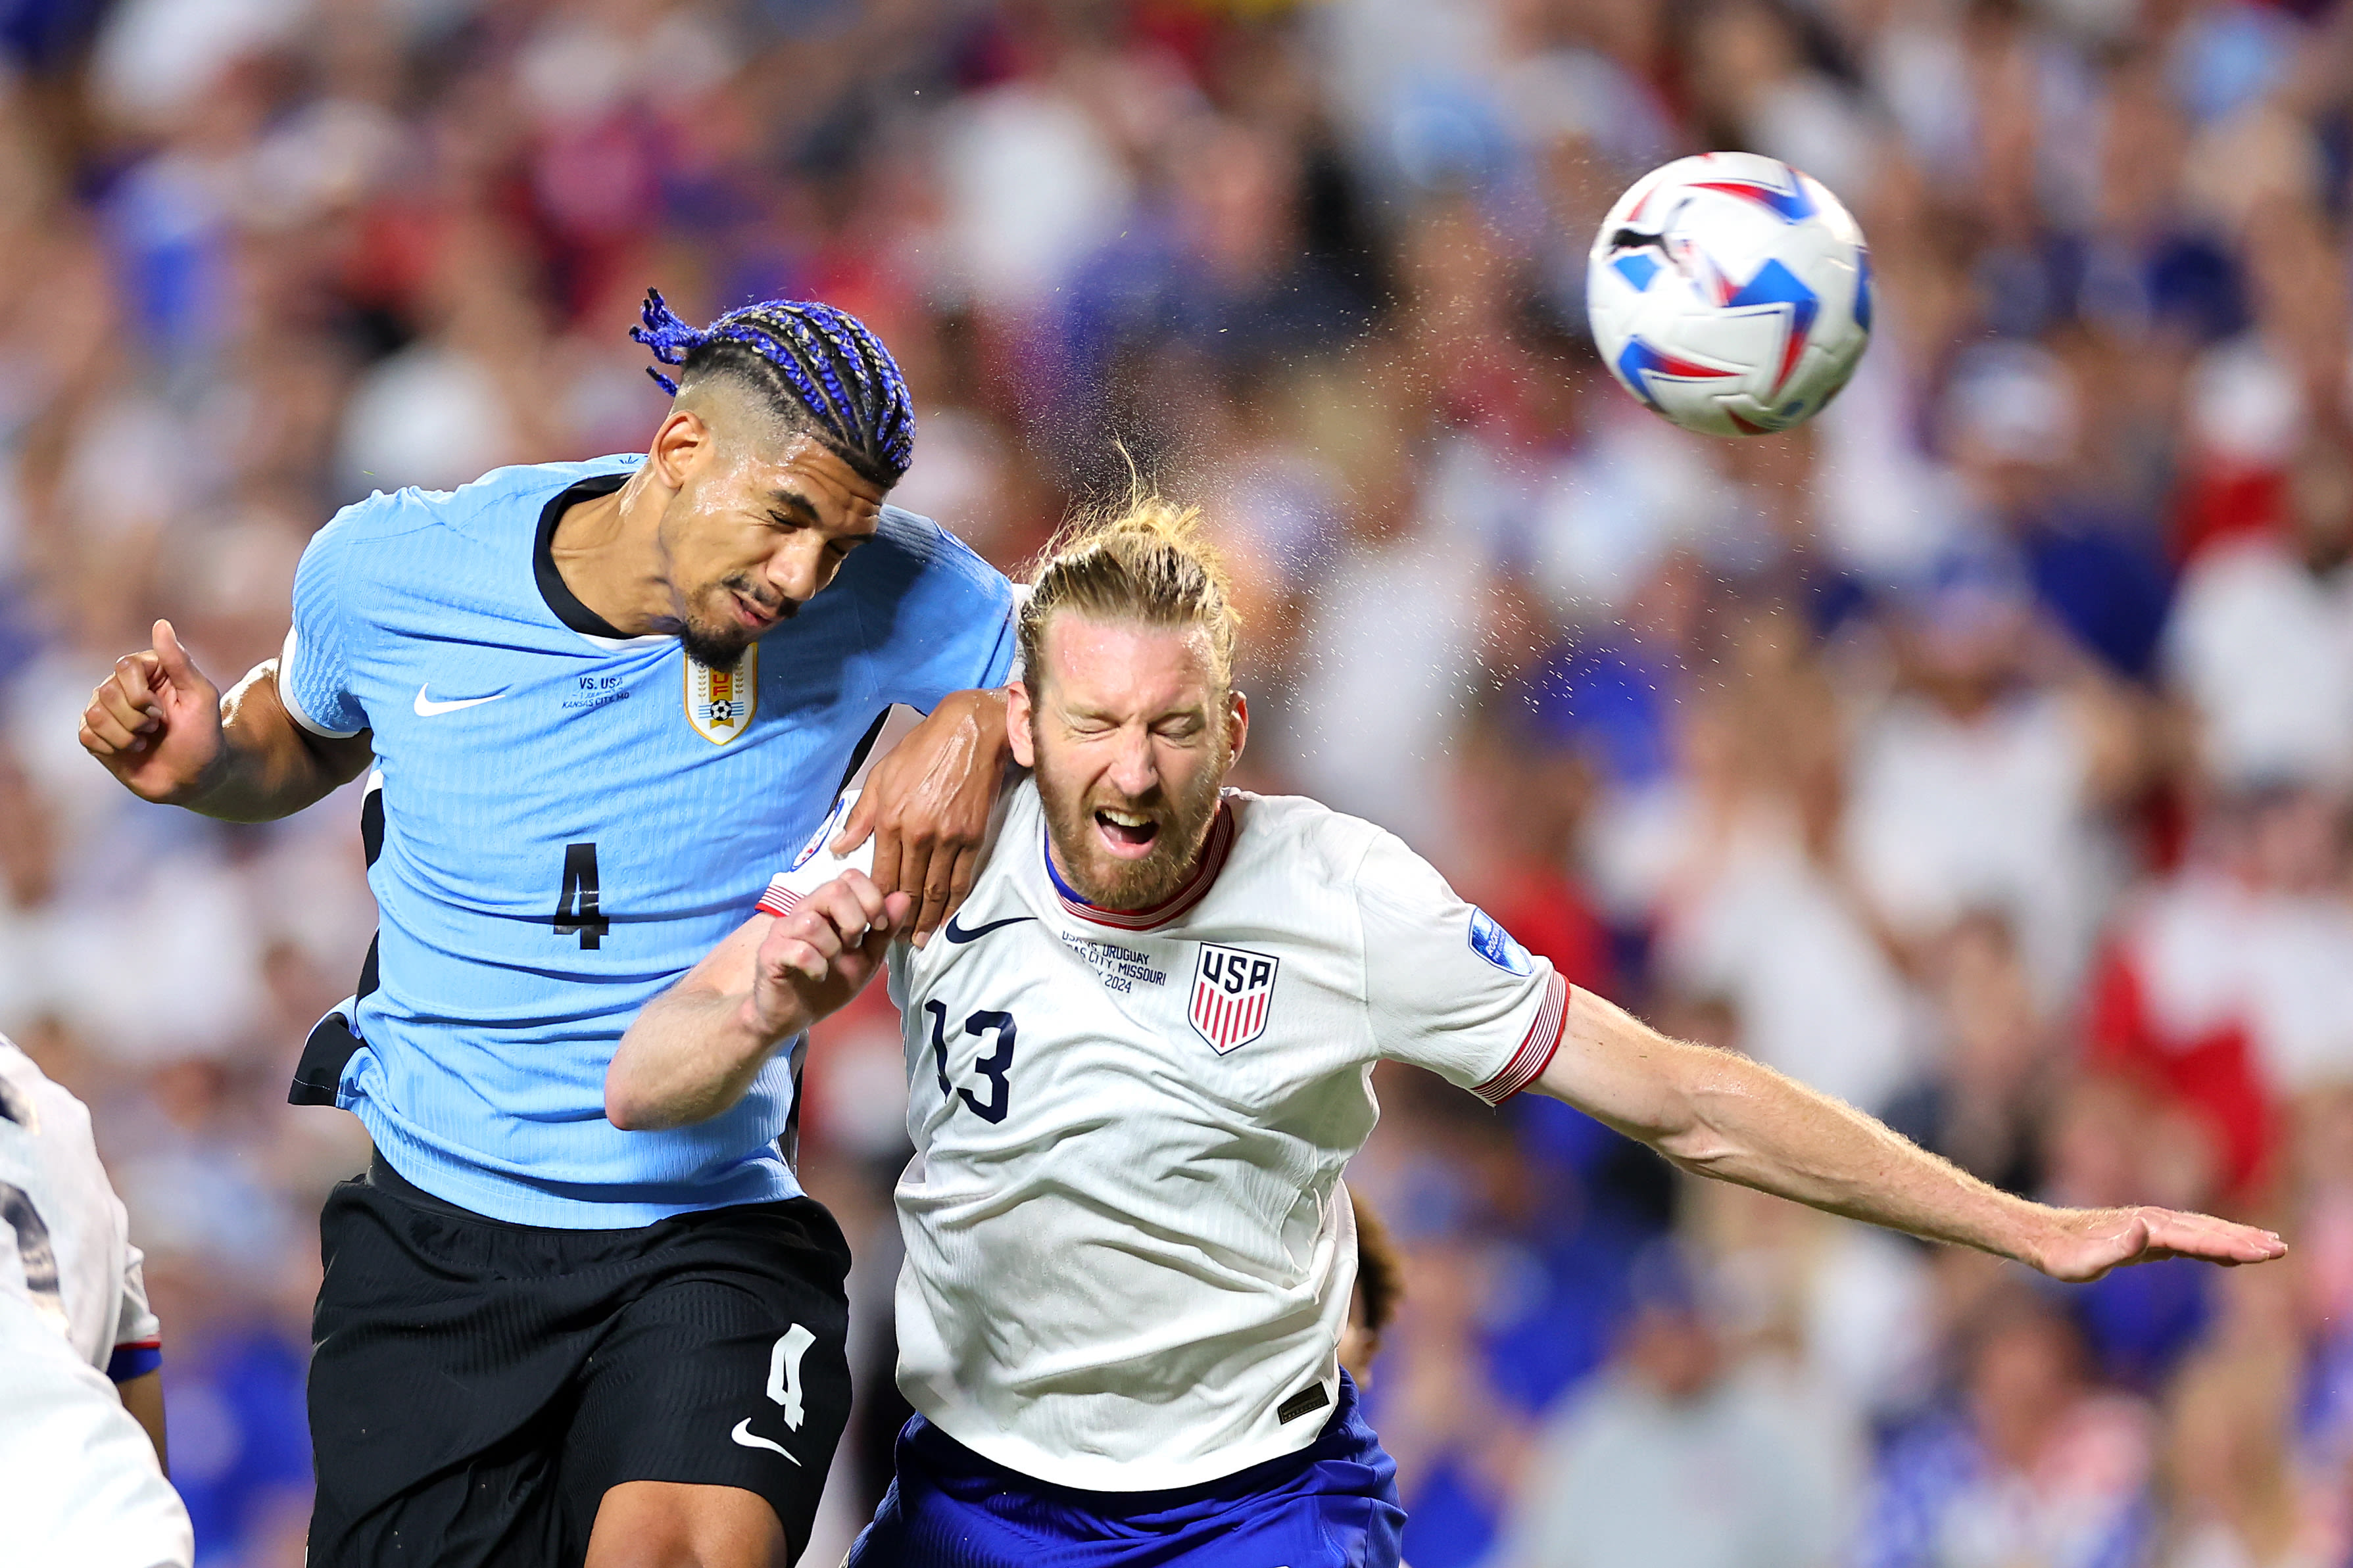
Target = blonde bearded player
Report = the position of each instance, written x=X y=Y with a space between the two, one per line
x=1136 y=1067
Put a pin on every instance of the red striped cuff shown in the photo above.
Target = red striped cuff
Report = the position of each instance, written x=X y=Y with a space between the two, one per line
x=778 y=900
x=1536 y=1047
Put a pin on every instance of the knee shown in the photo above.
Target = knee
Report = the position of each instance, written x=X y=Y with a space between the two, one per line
x=662 y=1524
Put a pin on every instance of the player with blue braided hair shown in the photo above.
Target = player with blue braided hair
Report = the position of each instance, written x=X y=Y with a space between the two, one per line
x=592 y=700
x=818 y=363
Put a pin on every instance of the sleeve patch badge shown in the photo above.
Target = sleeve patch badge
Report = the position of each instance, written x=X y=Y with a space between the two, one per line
x=1491 y=942
x=825 y=830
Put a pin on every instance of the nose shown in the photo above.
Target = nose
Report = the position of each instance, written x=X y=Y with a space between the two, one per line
x=1134 y=772
x=797 y=570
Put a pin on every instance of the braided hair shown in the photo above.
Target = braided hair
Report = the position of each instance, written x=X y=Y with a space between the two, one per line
x=820 y=367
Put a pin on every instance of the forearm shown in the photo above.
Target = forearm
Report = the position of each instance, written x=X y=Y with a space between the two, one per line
x=1754 y=1126
x=692 y=1054
x=143 y=1397
x=269 y=766
x=1721 y=1115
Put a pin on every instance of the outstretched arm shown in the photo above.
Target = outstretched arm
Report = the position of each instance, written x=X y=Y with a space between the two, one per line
x=164 y=731
x=1718 y=1114
x=694 y=1050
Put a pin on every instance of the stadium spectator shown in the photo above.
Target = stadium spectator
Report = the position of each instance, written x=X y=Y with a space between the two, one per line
x=1676 y=1455
x=2034 y=1466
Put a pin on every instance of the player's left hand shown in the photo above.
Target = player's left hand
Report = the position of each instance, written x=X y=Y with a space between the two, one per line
x=927 y=806
x=2085 y=1244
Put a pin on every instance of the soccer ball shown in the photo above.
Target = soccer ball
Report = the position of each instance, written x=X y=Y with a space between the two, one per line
x=1730 y=293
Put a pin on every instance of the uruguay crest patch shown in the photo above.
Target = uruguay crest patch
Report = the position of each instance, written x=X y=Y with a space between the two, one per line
x=1233 y=990
x=719 y=702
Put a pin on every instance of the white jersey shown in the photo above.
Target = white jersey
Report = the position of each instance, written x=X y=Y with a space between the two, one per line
x=79 y=1478
x=1129 y=1254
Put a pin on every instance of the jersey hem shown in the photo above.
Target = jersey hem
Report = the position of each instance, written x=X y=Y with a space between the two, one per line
x=1107 y=1475
x=512 y=1202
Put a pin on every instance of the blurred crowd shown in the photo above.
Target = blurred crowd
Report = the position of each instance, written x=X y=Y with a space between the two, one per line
x=1980 y=754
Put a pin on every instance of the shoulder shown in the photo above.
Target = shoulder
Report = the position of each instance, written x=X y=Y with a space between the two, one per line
x=1319 y=843
x=910 y=550
x=503 y=499
x=33 y=1102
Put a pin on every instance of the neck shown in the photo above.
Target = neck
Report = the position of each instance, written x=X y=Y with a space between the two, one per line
x=608 y=551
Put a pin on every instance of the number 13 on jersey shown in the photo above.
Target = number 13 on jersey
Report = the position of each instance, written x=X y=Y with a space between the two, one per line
x=992 y=1067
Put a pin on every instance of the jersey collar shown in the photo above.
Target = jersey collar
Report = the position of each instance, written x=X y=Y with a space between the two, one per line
x=1197 y=886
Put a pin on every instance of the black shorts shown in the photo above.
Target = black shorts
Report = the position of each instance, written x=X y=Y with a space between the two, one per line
x=477 y=1386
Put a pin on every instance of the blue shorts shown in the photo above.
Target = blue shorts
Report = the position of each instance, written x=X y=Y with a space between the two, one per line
x=1332 y=1505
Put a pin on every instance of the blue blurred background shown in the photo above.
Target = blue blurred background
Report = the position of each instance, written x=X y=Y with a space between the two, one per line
x=1979 y=754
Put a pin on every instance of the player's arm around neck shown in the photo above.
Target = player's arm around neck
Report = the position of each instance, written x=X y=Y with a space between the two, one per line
x=169 y=735
x=1719 y=1114
x=691 y=1054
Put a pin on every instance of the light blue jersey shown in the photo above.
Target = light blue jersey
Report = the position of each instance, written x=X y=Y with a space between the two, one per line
x=570 y=818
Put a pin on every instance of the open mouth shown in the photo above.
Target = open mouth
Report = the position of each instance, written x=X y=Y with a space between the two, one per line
x=752 y=615
x=1129 y=835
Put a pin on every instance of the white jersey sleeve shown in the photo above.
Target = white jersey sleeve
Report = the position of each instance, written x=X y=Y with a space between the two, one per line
x=81 y=1481
x=138 y=1335
x=1446 y=988
x=816 y=865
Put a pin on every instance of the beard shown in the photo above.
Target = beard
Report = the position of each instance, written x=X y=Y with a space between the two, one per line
x=719 y=644
x=1181 y=825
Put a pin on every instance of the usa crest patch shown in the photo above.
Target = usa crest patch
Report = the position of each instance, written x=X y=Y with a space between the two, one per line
x=1233 y=992
x=720 y=701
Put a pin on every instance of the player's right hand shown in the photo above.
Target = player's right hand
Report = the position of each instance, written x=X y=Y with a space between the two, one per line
x=155 y=722
x=813 y=960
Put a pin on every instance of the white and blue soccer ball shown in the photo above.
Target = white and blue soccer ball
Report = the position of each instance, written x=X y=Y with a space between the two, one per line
x=1730 y=293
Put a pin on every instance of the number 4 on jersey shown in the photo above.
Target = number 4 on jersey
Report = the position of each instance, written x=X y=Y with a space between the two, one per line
x=575 y=899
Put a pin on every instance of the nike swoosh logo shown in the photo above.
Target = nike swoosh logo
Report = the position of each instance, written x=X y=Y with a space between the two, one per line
x=973 y=933
x=426 y=708
x=751 y=1439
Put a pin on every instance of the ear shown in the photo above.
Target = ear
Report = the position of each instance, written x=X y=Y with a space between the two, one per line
x=682 y=439
x=1018 y=715
x=1237 y=725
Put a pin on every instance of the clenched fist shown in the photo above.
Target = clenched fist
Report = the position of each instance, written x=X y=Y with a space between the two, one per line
x=155 y=722
x=814 y=960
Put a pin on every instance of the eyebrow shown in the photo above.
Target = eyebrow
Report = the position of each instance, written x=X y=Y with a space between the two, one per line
x=804 y=512
x=794 y=502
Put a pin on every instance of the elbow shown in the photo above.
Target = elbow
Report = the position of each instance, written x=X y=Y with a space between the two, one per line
x=627 y=1106
x=1699 y=1151
x=1691 y=1130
